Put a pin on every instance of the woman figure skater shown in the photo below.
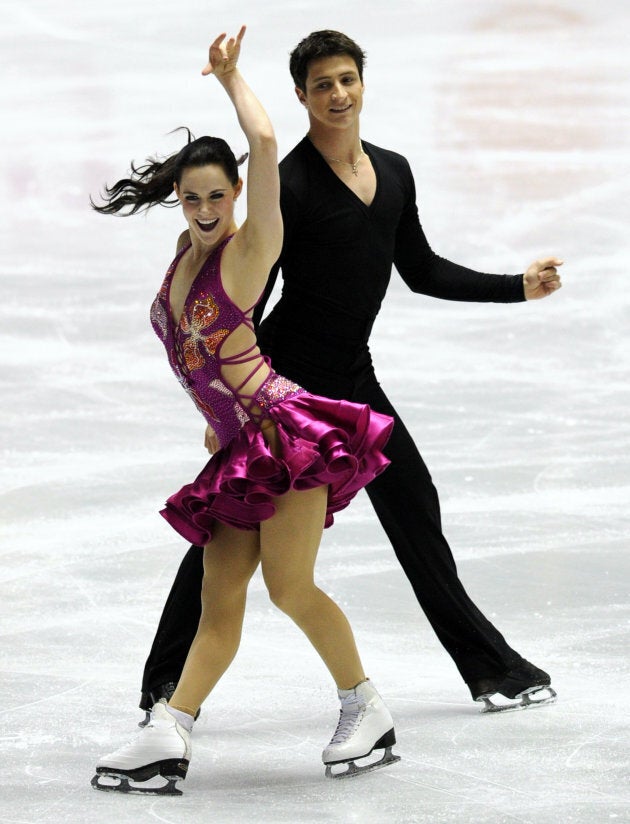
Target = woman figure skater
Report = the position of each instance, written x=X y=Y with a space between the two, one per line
x=287 y=460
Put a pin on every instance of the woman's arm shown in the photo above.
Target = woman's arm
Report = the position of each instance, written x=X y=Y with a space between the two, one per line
x=258 y=242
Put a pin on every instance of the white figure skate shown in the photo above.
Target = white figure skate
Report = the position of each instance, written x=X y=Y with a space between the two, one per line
x=161 y=751
x=365 y=724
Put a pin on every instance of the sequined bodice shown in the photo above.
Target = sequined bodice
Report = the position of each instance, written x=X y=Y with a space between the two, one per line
x=194 y=352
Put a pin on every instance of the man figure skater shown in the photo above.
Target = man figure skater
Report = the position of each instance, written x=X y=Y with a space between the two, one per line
x=349 y=214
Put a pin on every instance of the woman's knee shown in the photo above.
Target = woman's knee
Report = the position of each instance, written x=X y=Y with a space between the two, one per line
x=222 y=624
x=228 y=597
x=291 y=598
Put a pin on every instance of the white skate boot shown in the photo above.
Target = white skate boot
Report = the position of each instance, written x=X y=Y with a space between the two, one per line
x=364 y=725
x=161 y=751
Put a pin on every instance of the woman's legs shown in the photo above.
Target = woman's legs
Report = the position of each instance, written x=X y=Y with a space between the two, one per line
x=229 y=562
x=289 y=542
x=163 y=746
x=175 y=633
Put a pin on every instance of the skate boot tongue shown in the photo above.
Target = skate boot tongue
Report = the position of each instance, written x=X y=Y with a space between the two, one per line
x=350 y=717
x=364 y=725
x=348 y=702
x=160 y=715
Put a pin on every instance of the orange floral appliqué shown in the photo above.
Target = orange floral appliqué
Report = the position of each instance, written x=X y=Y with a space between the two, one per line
x=204 y=314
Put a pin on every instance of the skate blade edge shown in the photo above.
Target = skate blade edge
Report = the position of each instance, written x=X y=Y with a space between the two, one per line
x=525 y=703
x=353 y=769
x=110 y=782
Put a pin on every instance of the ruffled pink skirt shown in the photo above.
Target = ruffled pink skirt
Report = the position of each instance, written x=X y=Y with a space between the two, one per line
x=322 y=442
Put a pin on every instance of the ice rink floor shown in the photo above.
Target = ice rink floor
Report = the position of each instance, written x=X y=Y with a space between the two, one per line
x=515 y=119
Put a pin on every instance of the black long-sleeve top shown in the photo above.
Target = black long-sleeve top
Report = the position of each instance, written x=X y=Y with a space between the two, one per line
x=337 y=258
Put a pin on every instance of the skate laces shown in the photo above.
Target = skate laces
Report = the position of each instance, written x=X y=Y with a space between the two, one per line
x=350 y=717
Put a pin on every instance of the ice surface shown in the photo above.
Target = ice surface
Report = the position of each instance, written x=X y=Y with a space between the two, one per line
x=515 y=118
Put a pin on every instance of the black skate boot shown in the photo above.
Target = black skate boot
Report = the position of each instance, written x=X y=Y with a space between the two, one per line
x=161 y=693
x=522 y=687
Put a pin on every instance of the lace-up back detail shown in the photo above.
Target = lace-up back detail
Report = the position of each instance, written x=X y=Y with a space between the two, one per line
x=214 y=354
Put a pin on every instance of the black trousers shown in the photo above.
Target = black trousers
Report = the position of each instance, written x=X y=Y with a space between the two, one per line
x=406 y=503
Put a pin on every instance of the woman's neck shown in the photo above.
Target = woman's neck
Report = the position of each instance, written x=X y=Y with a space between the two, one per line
x=200 y=250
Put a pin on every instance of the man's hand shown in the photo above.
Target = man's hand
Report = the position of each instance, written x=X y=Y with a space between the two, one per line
x=541 y=278
x=210 y=441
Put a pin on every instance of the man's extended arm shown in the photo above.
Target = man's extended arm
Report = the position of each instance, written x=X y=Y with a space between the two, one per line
x=429 y=274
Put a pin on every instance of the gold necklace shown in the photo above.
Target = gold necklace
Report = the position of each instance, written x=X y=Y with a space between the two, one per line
x=354 y=166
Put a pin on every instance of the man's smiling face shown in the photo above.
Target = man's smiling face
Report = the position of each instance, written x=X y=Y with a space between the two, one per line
x=334 y=92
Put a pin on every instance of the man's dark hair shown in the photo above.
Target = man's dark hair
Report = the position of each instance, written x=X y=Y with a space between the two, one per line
x=318 y=44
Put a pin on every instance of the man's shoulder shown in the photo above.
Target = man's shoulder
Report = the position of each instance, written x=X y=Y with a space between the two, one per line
x=387 y=156
x=297 y=155
x=296 y=171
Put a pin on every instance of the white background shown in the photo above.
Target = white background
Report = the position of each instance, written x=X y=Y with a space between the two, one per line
x=515 y=119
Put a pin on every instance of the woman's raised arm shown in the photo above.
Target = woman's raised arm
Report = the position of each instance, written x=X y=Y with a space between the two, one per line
x=259 y=240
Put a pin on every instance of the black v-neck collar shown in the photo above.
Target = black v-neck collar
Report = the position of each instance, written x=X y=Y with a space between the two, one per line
x=354 y=197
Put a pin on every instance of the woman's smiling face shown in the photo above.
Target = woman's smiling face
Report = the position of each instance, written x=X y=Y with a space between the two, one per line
x=207 y=199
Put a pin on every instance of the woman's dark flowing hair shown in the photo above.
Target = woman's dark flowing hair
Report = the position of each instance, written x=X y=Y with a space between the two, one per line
x=152 y=184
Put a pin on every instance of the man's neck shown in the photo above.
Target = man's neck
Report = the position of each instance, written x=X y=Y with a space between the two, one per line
x=341 y=144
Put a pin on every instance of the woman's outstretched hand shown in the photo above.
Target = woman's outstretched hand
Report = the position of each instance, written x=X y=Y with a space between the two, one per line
x=223 y=57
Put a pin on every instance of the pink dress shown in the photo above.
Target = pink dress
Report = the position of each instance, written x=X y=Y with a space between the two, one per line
x=321 y=441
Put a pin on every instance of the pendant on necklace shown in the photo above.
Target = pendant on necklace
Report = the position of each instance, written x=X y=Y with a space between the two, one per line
x=354 y=166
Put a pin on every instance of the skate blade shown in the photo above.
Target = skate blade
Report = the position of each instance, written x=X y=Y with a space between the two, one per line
x=525 y=701
x=147 y=717
x=350 y=769
x=123 y=784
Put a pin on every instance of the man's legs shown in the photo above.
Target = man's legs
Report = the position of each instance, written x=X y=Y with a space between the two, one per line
x=407 y=505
